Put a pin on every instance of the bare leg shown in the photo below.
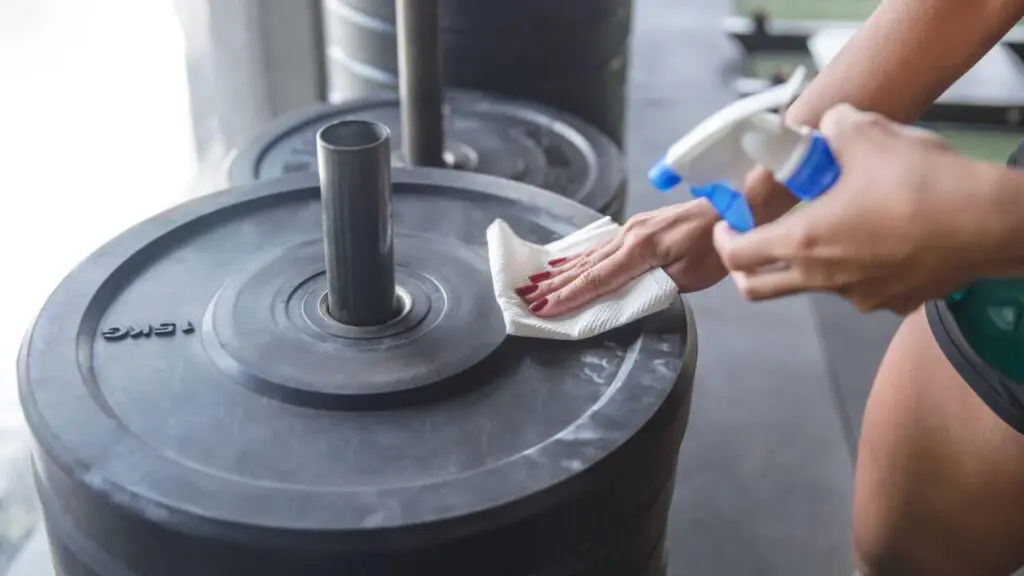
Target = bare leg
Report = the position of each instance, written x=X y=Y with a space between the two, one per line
x=940 y=478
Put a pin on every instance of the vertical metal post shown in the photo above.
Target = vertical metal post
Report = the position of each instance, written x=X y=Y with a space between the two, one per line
x=419 y=81
x=355 y=189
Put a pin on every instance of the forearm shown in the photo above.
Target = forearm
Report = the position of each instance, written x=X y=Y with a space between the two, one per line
x=1000 y=222
x=903 y=58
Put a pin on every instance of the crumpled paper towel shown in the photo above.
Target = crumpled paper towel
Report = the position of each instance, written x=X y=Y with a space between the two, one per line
x=513 y=260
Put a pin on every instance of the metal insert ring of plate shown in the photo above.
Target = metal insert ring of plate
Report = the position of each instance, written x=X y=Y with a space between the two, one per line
x=265 y=327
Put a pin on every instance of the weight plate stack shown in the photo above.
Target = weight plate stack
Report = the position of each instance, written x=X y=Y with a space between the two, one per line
x=570 y=54
x=488 y=134
x=197 y=410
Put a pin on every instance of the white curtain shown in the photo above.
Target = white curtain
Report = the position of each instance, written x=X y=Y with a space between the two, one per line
x=248 y=62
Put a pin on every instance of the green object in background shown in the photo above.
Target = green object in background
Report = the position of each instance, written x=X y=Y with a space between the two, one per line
x=764 y=64
x=858 y=10
x=985 y=145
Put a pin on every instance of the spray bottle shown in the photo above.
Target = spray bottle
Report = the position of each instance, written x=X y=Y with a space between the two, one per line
x=714 y=158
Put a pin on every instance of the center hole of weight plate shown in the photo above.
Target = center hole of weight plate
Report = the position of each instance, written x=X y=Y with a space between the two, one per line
x=403 y=303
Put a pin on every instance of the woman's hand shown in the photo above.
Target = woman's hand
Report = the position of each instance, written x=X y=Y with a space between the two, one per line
x=908 y=221
x=676 y=238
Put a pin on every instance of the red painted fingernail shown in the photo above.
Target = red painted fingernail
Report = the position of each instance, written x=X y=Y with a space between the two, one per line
x=557 y=261
x=524 y=291
x=540 y=276
x=538 y=305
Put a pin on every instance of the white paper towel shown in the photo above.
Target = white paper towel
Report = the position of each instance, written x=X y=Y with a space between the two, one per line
x=513 y=260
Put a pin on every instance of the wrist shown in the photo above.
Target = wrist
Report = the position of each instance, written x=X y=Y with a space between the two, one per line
x=1002 y=219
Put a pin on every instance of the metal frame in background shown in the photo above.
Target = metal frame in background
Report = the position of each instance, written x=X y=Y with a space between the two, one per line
x=759 y=34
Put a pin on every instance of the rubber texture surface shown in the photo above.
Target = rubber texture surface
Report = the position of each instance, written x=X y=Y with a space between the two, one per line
x=488 y=134
x=192 y=415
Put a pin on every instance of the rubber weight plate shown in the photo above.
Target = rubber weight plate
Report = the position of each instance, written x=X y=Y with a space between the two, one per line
x=496 y=14
x=195 y=412
x=535 y=49
x=516 y=140
x=597 y=96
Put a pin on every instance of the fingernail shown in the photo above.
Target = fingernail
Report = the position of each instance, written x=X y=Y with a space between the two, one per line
x=540 y=276
x=557 y=261
x=538 y=305
x=524 y=291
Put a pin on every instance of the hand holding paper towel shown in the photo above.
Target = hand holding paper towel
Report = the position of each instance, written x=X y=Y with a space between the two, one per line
x=513 y=260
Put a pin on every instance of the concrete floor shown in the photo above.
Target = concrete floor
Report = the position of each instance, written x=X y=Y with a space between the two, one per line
x=765 y=476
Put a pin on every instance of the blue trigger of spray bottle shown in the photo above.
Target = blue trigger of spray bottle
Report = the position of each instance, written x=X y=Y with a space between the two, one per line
x=730 y=204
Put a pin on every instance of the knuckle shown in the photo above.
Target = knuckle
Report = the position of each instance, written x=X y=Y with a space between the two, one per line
x=645 y=245
x=584 y=264
x=748 y=293
x=659 y=253
x=744 y=287
x=843 y=119
x=834 y=120
x=590 y=277
x=803 y=240
x=633 y=224
x=549 y=286
x=636 y=230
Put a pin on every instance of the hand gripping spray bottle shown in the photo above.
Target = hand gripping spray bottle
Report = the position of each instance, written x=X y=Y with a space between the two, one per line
x=714 y=158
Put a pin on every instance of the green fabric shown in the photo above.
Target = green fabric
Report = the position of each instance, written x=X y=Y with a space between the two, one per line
x=989 y=314
x=986 y=145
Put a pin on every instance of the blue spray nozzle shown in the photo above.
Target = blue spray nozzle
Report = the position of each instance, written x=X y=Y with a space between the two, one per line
x=664 y=177
x=731 y=205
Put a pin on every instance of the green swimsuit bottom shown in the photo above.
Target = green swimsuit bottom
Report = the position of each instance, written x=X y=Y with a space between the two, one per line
x=981 y=331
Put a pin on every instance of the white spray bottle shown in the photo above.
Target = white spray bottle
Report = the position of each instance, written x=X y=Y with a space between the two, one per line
x=714 y=158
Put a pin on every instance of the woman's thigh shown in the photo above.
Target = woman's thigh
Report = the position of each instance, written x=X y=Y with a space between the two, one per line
x=940 y=478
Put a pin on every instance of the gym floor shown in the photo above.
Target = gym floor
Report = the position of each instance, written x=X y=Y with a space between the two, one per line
x=765 y=475
x=766 y=471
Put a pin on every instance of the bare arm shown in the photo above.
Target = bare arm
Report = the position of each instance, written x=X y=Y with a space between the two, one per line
x=903 y=58
x=1001 y=221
